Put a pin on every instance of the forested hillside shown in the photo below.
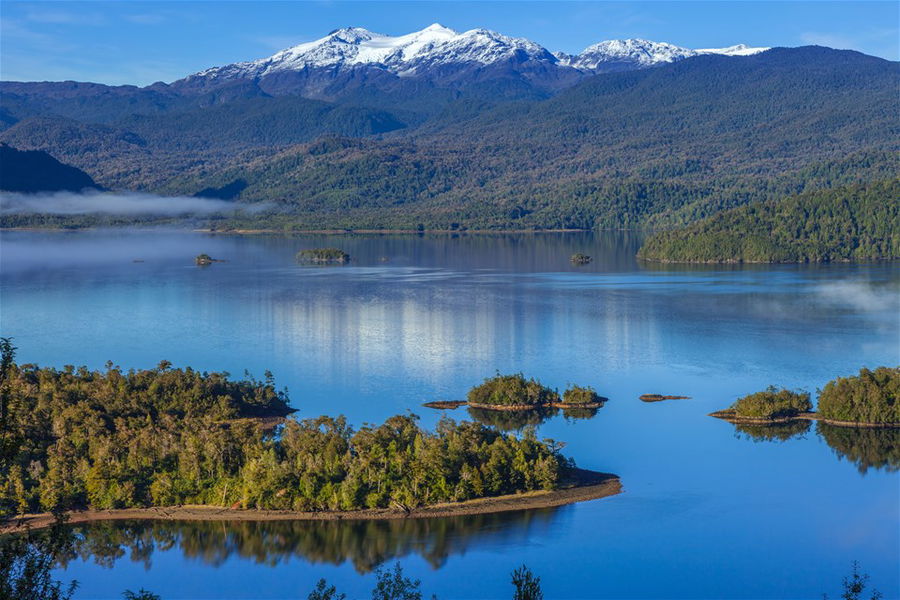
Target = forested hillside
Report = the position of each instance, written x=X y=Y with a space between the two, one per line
x=35 y=171
x=657 y=147
x=860 y=222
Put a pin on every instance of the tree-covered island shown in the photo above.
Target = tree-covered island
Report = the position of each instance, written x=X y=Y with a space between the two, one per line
x=77 y=439
x=514 y=392
x=323 y=256
x=870 y=399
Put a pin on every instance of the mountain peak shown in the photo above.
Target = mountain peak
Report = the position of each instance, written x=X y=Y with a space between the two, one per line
x=438 y=46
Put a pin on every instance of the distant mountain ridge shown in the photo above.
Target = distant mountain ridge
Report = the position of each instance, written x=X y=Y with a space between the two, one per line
x=368 y=131
x=440 y=54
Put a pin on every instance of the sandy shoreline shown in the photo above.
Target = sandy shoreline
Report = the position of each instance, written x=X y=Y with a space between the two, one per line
x=728 y=415
x=589 y=485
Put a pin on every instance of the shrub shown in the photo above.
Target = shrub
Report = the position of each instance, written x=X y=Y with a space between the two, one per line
x=512 y=390
x=772 y=403
x=581 y=395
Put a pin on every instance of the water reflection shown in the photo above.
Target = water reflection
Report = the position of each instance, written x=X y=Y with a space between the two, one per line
x=867 y=448
x=365 y=544
x=864 y=447
x=516 y=420
x=778 y=432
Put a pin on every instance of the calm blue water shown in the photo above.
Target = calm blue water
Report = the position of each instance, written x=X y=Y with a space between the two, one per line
x=707 y=512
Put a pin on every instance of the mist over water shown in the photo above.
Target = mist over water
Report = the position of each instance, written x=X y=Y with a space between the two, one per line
x=706 y=507
x=115 y=203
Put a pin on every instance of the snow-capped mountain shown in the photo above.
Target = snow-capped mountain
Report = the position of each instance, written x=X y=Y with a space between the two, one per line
x=440 y=55
x=401 y=55
x=627 y=54
x=638 y=53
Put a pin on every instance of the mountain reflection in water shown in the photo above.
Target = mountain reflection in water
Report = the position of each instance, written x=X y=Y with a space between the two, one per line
x=365 y=544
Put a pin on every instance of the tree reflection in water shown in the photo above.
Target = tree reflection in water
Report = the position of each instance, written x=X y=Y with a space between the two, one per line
x=366 y=544
x=515 y=420
x=776 y=432
x=863 y=446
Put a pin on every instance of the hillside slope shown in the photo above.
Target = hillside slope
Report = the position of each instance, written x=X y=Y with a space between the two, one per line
x=848 y=223
x=34 y=171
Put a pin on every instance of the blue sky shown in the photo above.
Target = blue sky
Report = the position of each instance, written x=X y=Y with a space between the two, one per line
x=142 y=42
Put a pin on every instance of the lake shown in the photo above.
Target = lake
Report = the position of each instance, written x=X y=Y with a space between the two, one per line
x=707 y=511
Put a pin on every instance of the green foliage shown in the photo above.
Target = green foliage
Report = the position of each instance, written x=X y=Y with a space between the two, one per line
x=323 y=591
x=392 y=585
x=860 y=222
x=528 y=586
x=577 y=394
x=26 y=563
x=870 y=397
x=512 y=390
x=168 y=436
x=323 y=255
x=772 y=403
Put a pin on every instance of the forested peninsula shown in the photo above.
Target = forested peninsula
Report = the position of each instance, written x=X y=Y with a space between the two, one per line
x=859 y=222
x=77 y=439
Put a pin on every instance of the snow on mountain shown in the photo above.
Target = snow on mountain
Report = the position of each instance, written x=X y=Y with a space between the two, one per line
x=737 y=50
x=401 y=55
x=637 y=52
x=437 y=46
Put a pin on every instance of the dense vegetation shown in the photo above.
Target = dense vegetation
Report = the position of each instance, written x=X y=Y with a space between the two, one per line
x=577 y=394
x=516 y=392
x=847 y=223
x=772 y=403
x=512 y=390
x=323 y=255
x=870 y=397
x=658 y=147
x=114 y=439
x=36 y=171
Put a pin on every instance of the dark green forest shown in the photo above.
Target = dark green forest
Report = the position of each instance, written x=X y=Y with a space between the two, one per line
x=76 y=438
x=860 y=222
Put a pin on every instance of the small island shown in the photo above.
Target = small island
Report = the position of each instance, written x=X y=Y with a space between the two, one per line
x=580 y=259
x=870 y=399
x=514 y=392
x=202 y=260
x=661 y=397
x=323 y=256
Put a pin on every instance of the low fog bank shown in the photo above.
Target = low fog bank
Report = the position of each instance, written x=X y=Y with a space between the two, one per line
x=116 y=203
x=862 y=297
